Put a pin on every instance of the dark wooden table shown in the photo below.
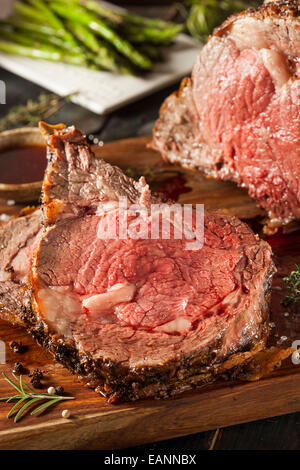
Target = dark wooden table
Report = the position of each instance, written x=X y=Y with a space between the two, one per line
x=278 y=433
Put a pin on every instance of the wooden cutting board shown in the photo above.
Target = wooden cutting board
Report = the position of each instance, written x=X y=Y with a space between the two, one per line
x=97 y=425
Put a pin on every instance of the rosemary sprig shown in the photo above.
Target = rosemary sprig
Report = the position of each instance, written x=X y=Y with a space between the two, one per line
x=28 y=398
x=32 y=112
x=292 y=282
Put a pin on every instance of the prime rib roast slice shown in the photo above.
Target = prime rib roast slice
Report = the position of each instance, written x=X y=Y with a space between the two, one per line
x=133 y=317
x=237 y=117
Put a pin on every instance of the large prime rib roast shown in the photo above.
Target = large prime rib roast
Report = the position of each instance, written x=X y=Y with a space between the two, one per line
x=133 y=317
x=237 y=117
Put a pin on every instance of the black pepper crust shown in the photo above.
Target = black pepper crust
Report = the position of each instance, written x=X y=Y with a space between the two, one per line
x=279 y=9
x=282 y=8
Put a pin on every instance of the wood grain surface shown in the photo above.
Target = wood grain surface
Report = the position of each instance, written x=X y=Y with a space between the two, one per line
x=97 y=425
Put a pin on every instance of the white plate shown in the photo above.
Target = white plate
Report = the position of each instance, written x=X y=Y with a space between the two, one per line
x=102 y=92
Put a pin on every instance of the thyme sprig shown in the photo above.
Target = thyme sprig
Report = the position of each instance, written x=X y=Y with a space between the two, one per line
x=32 y=112
x=292 y=282
x=27 y=399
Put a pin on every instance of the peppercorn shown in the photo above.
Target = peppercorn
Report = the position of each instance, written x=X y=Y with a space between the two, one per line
x=59 y=390
x=37 y=374
x=16 y=347
x=18 y=368
x=36 y=383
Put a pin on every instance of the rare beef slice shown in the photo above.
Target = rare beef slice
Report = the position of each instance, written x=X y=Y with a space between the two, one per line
x=237 y=117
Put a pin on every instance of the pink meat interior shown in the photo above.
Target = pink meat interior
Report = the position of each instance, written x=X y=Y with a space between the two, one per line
x=145 y=284
x=249 y=108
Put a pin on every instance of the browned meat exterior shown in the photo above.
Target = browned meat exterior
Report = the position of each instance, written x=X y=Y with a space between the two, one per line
x=76 y=183
x=237 y=117
x=134 y=318
x=17 y=241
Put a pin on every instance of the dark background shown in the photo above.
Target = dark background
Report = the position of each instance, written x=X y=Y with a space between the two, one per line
x=137 y=119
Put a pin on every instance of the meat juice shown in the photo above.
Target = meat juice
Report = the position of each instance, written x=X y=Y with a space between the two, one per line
x=23 y=165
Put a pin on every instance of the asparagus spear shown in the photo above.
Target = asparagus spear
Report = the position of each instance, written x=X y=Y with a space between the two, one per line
x=137 y=28
x=103 y=56
x=54 y=22
x=28 y=12
x=33 y=40
x=28 y=27
x=106 y=13
x=152 y=35
x=50 y=39
x=126 y=17
x=85 y=36
x=48 y=15
x=35 y=36
x=17 y=37
x=155 y=53
x=80 y=15
x=40 y=32
x=41 y=52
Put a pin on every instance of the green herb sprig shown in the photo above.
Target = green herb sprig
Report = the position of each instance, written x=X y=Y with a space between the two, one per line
x=292 y=282
x=27 y=399
x=205 y=15
x=32 y=112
